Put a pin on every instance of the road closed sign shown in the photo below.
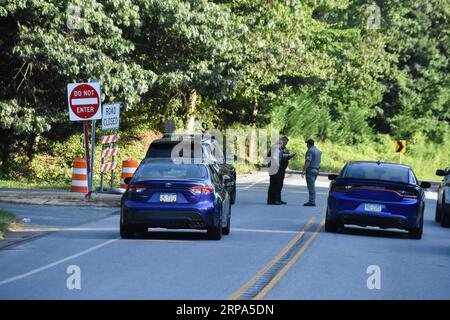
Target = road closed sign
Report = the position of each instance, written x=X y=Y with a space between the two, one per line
x=110 y=119
x=84 y=101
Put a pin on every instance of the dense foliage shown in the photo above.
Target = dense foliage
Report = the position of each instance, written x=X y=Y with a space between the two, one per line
x=309 y=67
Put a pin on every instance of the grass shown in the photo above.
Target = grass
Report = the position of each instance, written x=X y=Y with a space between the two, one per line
x=8 y=221
x=33 y=184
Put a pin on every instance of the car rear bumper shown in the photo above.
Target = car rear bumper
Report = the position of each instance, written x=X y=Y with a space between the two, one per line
x=403 y=215
x=170 y=218
x=374 y=220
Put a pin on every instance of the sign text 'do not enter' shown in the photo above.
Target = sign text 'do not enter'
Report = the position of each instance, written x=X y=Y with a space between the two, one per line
x=84 y=101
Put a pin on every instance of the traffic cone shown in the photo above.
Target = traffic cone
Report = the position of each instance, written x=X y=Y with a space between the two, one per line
x=79 y=176
x=128 y=168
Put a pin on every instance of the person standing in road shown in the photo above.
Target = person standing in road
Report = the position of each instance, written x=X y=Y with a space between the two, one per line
x=277 y=168
x=311 y=169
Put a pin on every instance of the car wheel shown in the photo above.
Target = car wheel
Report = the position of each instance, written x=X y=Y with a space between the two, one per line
x=445 y=219
x=416 y=233
x=331 y=225
x=226 y=230
x=215 y=233
x=437 y=217
x=233 y=197
x=126 y=232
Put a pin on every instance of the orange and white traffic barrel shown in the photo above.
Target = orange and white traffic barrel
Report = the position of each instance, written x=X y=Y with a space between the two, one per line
x=79 y=176
x=128 y=168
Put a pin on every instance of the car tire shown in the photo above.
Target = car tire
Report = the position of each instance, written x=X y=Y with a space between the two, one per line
x=233 y=196
x=416 y=233
x=215 y=233
x=227 y=229
x=445 y=219
x=126 y=232
x=437 y=216
x=331 y=225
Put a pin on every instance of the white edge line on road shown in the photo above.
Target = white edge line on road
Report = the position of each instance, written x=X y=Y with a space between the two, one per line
x=48 y=266
x=251 y=185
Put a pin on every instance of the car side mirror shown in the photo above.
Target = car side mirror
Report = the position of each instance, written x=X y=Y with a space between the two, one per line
x=332 y=176
x=227 y=180
x=127 y=180
x=440 y=173
x=425 y=185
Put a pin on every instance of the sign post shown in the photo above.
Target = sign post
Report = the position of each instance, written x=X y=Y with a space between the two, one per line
x=110 y=120
x=91 y=180
x=84 y=101
x=400 y=147
x=101 y=166
x=86 y=149
x=111 y=183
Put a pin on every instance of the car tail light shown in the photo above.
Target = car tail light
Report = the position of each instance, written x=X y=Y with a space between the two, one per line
x=201 y=189
x=137 y=187
x=409 y=194
x=341 y=188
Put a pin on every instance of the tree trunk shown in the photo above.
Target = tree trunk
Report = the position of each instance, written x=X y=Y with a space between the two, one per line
x=191 y=103
x=254 y=112
x=5 y=157
x=252 y=146
x=31 y=147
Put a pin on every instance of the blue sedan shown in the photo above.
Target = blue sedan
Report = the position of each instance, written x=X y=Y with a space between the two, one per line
x=163 y=194
x=385 y=195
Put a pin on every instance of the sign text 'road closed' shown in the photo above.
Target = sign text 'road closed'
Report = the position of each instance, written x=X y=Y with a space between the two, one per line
x=111 y=113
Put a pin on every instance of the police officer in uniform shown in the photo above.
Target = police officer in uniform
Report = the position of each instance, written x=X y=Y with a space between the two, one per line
x=277 y=169
x=311 y=168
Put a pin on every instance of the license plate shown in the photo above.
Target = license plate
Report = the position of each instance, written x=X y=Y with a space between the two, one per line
x=168 y=197
x=372 y=207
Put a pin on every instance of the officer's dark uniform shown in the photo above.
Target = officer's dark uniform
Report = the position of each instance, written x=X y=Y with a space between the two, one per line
x=277 y=180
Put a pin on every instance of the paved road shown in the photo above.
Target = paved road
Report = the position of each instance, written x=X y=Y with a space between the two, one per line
x=273 y=252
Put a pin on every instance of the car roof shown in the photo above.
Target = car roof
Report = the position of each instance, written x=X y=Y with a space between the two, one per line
x=379 y=163
x=165 y=141
x=176 y=138
x=170 y=161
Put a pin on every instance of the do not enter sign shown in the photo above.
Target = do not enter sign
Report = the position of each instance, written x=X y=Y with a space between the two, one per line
x=84 y=101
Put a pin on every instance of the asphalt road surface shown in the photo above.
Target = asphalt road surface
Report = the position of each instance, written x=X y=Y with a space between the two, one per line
x=273 y=252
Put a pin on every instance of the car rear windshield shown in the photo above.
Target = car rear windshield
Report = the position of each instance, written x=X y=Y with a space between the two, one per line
x=376 y=171
x=171 y=171
x=160 y=151
x=164 y=150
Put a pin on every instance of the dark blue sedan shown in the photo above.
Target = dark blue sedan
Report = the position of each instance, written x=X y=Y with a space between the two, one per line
x=385 y=195
x=163 y=194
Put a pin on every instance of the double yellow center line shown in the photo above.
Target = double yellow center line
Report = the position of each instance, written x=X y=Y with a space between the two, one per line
x=251 y=289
